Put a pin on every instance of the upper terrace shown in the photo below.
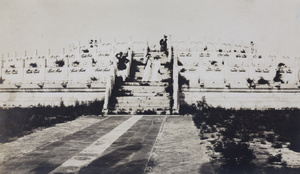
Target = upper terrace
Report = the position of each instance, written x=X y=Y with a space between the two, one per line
x=200 y=67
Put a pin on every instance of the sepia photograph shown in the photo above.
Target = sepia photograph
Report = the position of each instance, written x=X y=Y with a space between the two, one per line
x=150 y=87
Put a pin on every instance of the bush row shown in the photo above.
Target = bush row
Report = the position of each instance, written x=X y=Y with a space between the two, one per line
x=15 y=122
x=246 y=124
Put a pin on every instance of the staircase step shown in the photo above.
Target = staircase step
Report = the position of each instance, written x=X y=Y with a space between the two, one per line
x=139 y=100
x=162 y=71
x=136 y=54
x=142 y=98
x=159 y=111
x=162 y=55
x=134 y=107
x=161 y=76
x=144 y=88
x=146 y=83
x=142 y=105
x=142 y=67
x=145 y=94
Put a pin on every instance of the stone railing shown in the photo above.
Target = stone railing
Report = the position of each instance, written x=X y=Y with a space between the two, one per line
x=175 y=82
x=110 y=82
x=146 y=51
x=108 y=88
x=170 y=49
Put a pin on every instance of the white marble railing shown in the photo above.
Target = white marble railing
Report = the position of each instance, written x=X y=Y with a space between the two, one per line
x=175 y=82
x=109 y=87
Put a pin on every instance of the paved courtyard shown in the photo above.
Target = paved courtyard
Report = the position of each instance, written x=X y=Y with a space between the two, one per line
x=113 y=144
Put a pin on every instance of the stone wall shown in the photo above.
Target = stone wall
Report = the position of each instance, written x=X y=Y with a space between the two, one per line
x=25 y=98
x=245 y=99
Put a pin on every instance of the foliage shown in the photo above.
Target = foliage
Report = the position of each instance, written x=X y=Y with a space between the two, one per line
x=218 y=146
x=237 y=154
x=1 y=80
x=15 y=122
x=60 y=63
x=277 y=145
x=33 y=65
x=276 y=158
x=182 y=81
x=147 y=112
x=246 y=124
x=295 y=143
x=239 y=126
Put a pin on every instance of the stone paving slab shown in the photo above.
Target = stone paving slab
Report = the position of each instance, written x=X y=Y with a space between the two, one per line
x=48 y=157
x=147 y=144
x=129 y=153
x=95 y=150
x=39 y=138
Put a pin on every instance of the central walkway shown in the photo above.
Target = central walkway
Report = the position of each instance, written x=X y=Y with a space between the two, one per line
x=114 y=144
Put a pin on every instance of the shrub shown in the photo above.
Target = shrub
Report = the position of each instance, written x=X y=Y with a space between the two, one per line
x=1 y=80
x=270 y=138
x=261 y=135
x=295 y=143
x=237 y=154
x=218 y=147
x=207 y=130
x=204 y=138
x=60 y=63
x=276 y=158
x=277 y=145
x=214 y=129
x=182 y=81
x=187 y=109
x=16 y=122
x=245 y=137
x=229 y=132
x=204 y=127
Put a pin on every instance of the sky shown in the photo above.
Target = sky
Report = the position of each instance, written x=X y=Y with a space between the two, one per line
x=274 y=25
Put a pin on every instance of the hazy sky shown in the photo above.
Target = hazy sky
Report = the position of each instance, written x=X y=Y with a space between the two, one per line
x=42 y=24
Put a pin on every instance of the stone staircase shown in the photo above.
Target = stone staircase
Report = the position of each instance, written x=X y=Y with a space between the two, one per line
x=137 y=97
